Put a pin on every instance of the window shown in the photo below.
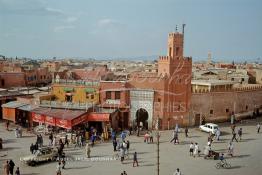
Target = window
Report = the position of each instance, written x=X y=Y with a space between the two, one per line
x=159 y=99
x=87 y=95
x=246 y=107
x=211 y=111
x=242 y=79
x=227 y=110
x=92 y=96
x=44 y=76
x=3 y=82
x=232 y=79
x=41 y=77
x=117 y=95
x=108 y=94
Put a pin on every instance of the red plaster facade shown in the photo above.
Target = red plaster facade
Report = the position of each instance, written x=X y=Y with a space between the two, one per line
x=171 y=85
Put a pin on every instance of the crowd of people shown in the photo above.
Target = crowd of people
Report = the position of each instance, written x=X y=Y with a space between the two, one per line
x=9 y=168
x=122 y=145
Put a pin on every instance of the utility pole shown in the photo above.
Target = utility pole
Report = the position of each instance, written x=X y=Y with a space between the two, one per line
x=158 y=135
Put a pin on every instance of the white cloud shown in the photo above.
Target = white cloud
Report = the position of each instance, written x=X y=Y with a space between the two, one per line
x=62 y=28
x=106 y=22
x=53 y=10
x=71 y=19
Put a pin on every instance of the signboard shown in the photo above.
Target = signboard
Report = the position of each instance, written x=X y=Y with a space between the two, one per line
x=50 y=120
x=63 y=123
x=100 y=117
x=38 y=118
x=112 y=102
x=79 y=120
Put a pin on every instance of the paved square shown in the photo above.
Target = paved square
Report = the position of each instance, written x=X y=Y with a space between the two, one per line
x=247 y=159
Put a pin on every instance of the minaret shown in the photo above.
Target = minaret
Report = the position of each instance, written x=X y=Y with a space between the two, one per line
x=209 y=58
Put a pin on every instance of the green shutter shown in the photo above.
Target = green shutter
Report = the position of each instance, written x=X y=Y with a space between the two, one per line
x=90 y=90
x=68 y=89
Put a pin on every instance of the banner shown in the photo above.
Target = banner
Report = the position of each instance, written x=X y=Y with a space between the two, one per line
x=38 y=118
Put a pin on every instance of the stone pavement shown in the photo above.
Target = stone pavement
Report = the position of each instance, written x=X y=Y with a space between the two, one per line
x=247 y=159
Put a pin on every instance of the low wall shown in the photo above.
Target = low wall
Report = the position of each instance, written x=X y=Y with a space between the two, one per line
x=218 y=106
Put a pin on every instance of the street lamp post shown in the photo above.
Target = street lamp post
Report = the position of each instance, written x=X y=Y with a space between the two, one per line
x=158 y=135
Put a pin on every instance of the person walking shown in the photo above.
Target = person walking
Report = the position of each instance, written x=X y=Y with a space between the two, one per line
x=6 y=168
x=206 y=151
x=230 y=149
x=127 y=146
x=258 y=127
x=234 y=136
x=41 y=141
x=191 y=149
x=177 y=172
x=51 y=139
x=54 y=141
x=58 y=169
x=122 y=154
x=16 y=132
x=66 y=141
x=151 y=138
x=240 y=133
x=217 y=134
x=88 y=150
x=135 y=159
x=175 y=137
x=114 y=144
x=196 y=149
x=32 y=148
x=124 y=173
x=17 y=171
x=146 y=137
x=93 y=138
x=186 y=131
x=7 y=125
x=63 y=163
x=11 y=167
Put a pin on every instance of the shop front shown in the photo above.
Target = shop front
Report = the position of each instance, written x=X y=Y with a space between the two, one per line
x=11 y=112
x=61 y=118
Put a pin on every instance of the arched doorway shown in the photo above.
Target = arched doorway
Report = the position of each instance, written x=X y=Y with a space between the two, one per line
x=142 y=117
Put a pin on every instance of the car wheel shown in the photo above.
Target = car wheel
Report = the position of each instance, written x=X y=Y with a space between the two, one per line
x=33 y=163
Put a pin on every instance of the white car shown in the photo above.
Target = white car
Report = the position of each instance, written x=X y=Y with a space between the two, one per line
x=209 y=127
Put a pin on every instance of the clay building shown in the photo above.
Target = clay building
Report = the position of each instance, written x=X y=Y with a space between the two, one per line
x=164 y=95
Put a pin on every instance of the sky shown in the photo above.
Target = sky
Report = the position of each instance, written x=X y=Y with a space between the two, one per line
x=229 y=29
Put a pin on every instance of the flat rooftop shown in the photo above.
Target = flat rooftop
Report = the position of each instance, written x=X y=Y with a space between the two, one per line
x=212 y=82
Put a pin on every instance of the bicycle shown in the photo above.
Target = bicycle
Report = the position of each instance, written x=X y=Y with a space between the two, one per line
x=224 y=164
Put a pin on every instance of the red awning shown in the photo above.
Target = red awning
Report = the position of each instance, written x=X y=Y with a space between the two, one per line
x=99 y=117
x=78 y=120
x=38 y=118
x=59 y=117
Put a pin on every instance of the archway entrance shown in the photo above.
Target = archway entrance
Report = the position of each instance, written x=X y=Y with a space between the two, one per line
x=142 y=118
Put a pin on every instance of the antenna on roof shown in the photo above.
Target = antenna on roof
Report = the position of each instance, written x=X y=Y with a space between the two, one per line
x=183 y=28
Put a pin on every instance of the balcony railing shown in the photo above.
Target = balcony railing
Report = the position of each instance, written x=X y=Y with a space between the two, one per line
x=76 y=82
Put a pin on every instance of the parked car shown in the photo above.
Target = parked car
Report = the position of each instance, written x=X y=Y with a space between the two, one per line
x=209 y=127
x=44 y=154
